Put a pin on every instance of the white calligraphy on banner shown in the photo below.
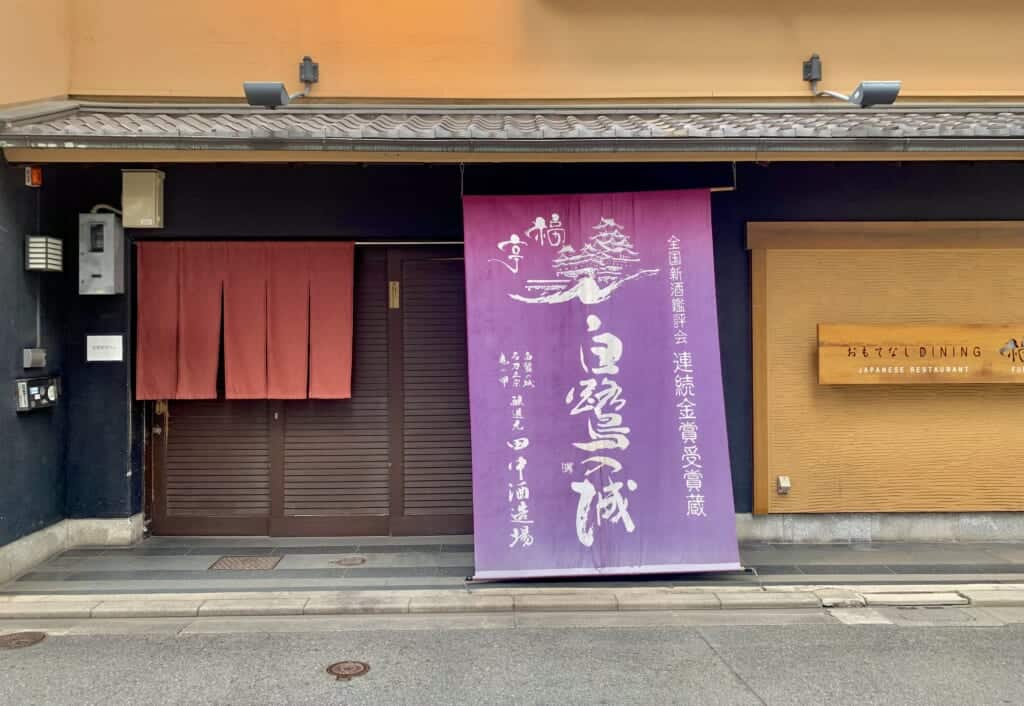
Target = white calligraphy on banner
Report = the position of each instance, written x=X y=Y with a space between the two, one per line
x=516 y=373
x=602 y=399
x=685 y=387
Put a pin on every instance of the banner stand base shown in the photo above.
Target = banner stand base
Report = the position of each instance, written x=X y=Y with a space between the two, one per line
x=613 y=572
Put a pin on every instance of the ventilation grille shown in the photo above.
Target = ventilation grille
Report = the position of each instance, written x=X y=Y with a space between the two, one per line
x=43 y=254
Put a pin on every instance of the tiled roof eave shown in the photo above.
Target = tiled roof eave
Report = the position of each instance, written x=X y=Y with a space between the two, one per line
x=542 y=129
x=524 y=145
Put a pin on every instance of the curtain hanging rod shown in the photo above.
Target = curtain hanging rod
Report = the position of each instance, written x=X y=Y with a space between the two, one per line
x=410 y=242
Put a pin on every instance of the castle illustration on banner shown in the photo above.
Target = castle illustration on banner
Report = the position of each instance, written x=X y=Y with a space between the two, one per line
x=591 y=274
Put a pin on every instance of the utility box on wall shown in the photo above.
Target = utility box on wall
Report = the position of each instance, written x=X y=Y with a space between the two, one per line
x=142 y=198
x=100 y=254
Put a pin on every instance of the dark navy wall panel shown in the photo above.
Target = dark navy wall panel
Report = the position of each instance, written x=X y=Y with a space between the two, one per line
x=101 y=481
x=32 y=444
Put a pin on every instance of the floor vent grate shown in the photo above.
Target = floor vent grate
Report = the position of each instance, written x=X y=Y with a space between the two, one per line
x=245 y=563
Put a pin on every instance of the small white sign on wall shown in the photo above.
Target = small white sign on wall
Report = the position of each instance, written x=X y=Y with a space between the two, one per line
x=99 y=349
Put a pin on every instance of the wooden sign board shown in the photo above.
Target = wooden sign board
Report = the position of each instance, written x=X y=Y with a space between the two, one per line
x=860 y=354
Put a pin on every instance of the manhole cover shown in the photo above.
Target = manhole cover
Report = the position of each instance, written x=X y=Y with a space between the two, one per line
x=17 y=640
x=354 y=560
x=348 y=669
x=245 y=563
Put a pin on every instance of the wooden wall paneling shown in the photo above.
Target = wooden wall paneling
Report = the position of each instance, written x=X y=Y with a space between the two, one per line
x=889 y=448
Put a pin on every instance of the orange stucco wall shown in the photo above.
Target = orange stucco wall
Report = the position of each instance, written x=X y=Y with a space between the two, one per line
x=522 y=49
x=34 y=50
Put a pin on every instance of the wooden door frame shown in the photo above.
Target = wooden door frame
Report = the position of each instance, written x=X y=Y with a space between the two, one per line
x=157 y=473
x=399 y=523
x=149 y=498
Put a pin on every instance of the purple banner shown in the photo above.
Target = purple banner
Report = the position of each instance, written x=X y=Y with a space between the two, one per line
x=598 y=424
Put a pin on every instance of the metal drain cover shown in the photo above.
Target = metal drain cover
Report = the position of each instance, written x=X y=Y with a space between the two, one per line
x=17 y=640
x=245 y=563
x=353 y=560
x=348 y=669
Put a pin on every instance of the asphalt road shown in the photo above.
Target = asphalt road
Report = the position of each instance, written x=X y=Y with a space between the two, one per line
x=452 y=663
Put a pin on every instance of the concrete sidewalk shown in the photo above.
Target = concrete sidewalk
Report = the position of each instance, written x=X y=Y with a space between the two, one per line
x=196 y=577
x=503 y=600
x=191 y=565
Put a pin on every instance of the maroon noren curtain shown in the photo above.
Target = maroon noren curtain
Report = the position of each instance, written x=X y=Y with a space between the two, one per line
x=330 y=321
x=287 y=320
x=156 y=345
x=245 y=321
x=199 y=308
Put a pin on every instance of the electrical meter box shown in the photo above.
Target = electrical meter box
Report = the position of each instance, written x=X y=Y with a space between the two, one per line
x=100 y=254
x=36 y=393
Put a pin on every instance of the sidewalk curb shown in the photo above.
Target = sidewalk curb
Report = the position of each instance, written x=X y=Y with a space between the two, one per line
x=524 y=600
x=759 y=599
x=147 y=609
x=938 y=598
x=994 y=598
x=234 y=607
x=43 y=609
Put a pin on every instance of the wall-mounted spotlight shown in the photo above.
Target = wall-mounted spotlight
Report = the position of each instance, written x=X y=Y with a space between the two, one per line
x=865 y=95
x=273 y=94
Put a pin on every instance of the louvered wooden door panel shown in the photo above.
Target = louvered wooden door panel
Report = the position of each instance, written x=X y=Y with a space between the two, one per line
x=336 y=476
x=433 y=484
x=215 y=475
x=393 y=459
